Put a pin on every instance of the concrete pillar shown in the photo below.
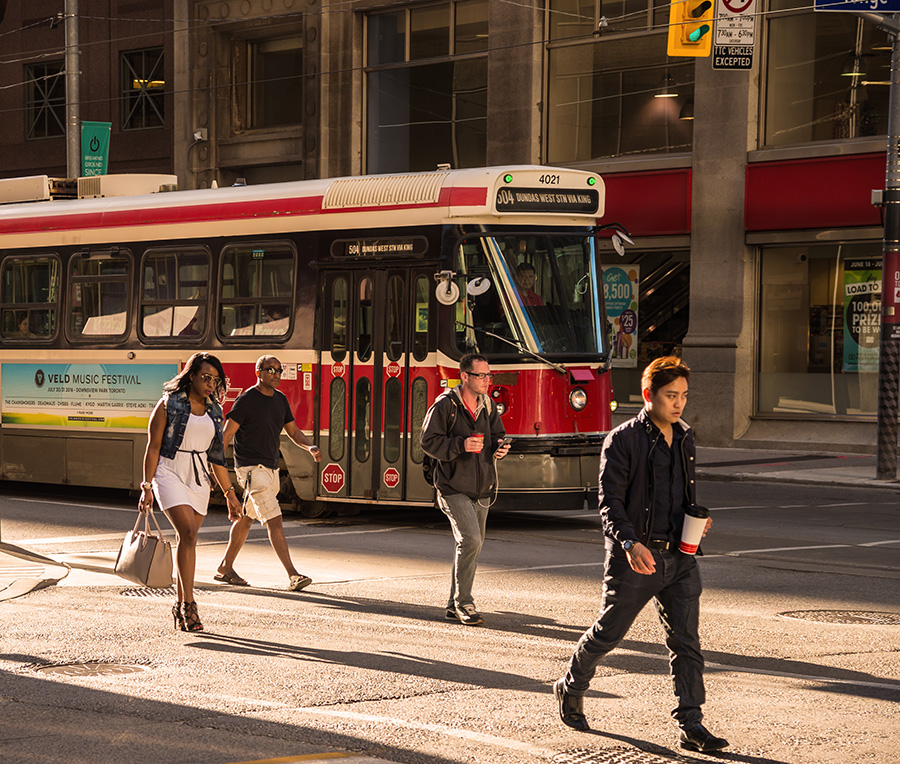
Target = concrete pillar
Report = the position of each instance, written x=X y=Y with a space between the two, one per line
x=720 y=343
x=514 y=83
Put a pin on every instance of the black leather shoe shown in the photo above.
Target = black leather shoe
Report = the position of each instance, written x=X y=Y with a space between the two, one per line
x=571 y=707
x=698 y=738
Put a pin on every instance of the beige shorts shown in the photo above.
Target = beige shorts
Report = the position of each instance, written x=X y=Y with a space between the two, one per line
x=261 y=496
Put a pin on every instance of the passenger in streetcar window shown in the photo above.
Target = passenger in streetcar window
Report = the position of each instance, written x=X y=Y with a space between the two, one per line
x=525 y=275
x=255 y=423
x=185 y=443
x=463 y=432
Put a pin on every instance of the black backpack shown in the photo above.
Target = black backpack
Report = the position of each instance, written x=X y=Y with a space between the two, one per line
x=429 y=463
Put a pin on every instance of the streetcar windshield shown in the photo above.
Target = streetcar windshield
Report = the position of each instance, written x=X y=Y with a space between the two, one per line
x=538 y=292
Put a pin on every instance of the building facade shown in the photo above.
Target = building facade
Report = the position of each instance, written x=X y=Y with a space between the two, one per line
x=748 y=192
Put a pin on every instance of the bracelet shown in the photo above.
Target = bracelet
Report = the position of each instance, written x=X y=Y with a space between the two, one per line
x=230 y=488
x=145 y=485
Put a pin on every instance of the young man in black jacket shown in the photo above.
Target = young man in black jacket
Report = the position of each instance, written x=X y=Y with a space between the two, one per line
x=647 y=473
x=463 y=431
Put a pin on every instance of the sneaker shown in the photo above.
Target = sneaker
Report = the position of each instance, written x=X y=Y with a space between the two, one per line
x=468 y=615
x=299 y=582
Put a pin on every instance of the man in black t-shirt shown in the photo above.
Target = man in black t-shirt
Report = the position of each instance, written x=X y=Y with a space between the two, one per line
x=255 y=422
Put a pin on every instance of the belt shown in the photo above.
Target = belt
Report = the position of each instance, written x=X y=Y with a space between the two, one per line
x=660 y=544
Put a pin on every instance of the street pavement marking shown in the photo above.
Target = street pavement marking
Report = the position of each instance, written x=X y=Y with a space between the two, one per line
x=879 y=543
x=789 y=549
x=208 y=529
x=305 y=757
x=477 y=737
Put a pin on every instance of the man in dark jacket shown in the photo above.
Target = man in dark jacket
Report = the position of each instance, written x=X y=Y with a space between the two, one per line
x=463 y=431
x=647 y=475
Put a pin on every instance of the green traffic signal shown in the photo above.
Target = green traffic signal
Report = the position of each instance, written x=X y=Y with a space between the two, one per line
x=698 y=32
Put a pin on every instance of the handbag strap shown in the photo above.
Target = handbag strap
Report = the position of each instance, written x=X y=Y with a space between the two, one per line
x=147 y=517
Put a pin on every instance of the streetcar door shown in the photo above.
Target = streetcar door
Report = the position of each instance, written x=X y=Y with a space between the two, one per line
x=372 y=321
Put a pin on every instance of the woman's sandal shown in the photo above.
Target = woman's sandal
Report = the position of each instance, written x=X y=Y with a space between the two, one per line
x=178 y=617
x=230 y=577
x=191 y=618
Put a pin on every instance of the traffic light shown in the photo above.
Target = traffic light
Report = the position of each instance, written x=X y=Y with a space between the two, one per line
x=690 y=28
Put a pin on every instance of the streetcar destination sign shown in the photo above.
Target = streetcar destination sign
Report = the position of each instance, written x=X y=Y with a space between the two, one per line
x=406 y=246
x=586 y=200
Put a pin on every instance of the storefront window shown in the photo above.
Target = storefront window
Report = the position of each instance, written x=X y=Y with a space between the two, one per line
x=618 y=96
x=820 y=322
x=647 y=307
x=829 y=76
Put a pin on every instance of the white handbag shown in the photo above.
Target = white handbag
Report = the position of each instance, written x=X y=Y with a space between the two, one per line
x=145 y=557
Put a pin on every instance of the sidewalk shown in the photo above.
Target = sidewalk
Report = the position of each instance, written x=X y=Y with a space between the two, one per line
x=22 y=571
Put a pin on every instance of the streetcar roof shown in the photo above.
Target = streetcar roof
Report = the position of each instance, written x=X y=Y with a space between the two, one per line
x=377 y=201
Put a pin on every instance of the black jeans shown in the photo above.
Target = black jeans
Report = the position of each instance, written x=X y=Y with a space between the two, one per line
x=675 y=588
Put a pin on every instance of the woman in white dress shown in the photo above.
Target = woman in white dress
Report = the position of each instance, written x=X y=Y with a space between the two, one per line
x=184 y=445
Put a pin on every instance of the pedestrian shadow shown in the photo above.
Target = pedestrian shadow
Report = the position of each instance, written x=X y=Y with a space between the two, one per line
x=389 y=662
x=526 y=624
x=56 y=721
x=680 y=755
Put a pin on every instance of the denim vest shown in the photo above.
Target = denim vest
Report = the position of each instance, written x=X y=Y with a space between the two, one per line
x=178 y=412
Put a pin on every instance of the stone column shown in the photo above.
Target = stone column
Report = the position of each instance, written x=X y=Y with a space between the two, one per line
x=720 y=344
x=514 y=83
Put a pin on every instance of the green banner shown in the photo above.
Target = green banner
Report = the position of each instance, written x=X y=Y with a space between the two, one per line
x=94 y=147
x=862 y=314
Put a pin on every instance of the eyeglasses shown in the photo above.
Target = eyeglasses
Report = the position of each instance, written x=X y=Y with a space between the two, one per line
x=275 y=370
x=210 y=378
x=482 y=375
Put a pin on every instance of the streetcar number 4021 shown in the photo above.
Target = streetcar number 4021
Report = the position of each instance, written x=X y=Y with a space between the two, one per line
x=550 y=180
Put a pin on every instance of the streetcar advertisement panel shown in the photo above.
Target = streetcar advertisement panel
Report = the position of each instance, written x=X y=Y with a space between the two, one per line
x=111 y=396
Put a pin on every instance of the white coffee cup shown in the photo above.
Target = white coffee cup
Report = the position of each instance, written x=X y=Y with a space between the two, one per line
x=692 y=531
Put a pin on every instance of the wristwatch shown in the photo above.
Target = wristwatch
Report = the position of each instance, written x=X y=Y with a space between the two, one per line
x=628 y=545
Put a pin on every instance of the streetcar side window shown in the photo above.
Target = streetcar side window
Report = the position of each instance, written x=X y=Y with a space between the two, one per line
x=420 y=319
x=364 y=322
x=99 y=295
x=339 y=317
x=337 y=419
x=393 y=416
x=362 y=435
x=419 y=409
x=395 y=324
x=29 y=293
x=256 y=290
x=174 y=293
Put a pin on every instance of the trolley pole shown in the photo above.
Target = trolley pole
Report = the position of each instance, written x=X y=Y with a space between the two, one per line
x=73 y=121
x=889 y=356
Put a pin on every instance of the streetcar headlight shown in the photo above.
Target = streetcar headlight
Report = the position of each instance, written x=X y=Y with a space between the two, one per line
x=613 y=405
x=578 y=399
x=501 y=409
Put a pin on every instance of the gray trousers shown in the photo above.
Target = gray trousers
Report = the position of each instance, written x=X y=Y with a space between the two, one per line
x=468 y=521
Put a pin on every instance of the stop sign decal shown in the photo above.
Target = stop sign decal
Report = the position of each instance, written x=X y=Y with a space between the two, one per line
x=337 y=370
x=333 y=478
x=393 y=369
x=391 y=477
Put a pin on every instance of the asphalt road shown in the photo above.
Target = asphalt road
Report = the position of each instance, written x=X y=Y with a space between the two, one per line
x=803 y=665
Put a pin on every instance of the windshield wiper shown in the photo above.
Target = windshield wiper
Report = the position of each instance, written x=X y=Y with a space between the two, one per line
x=517 y=345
